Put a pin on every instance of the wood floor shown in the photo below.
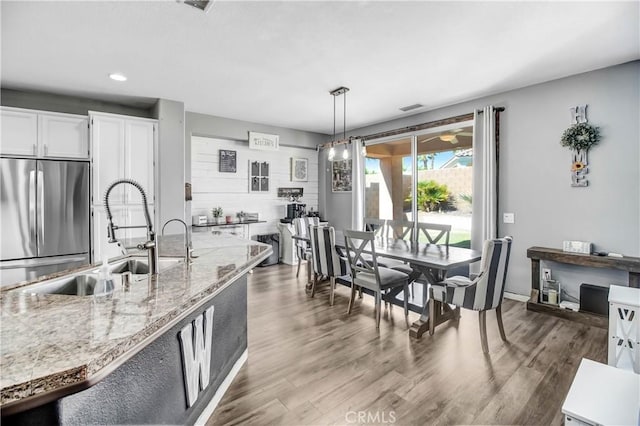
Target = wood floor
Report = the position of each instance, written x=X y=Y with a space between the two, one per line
x=311 y=364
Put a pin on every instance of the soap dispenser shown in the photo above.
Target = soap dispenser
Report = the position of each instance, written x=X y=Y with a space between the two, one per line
x=105 y=281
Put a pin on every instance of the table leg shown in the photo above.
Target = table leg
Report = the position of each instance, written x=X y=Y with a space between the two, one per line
x=419 y=327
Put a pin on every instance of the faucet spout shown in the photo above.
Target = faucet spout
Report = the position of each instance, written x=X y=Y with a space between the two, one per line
x=150 y=245
x=188 y=250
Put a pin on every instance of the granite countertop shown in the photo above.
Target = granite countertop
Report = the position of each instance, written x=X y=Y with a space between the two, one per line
x=53 y=341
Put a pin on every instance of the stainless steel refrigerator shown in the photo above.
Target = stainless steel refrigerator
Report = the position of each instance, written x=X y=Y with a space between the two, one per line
x=44 y=217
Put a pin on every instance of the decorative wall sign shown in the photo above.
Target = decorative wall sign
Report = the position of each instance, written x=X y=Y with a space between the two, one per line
x=263 y=141
x=580 y=137
x=290 y=192
x=227 y=162
x=341 y=176
x=258 y=176
x=299 y=169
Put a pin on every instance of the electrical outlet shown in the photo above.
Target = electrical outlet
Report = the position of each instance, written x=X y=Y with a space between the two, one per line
x=508 y=218
x=546 y=274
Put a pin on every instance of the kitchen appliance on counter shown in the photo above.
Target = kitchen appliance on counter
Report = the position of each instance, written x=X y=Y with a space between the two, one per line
x=295 y=210
x=45 y=217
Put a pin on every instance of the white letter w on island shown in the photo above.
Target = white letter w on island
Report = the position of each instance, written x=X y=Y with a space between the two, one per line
x=195 y=344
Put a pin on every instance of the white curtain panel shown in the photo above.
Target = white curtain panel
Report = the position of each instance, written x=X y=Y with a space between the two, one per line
x=357 y=180
x=484 y=222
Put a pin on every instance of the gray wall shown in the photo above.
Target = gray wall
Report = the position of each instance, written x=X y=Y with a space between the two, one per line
x=170 y=162
x=535 y=170
x=72 y=104
x=225 y=128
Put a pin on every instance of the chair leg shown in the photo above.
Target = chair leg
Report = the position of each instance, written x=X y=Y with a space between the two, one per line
x=482 y=316
x=412 y=289
x=360 y=292
x=298 y=271
x=500 y=325
x=378 y=309
x=352 y=298
x=432 y=315
x=332 y=283
x=313 y=285
x=309 y=270
x=406 y=301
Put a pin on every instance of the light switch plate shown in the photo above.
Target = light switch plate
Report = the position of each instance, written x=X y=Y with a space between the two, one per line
x=508 y=218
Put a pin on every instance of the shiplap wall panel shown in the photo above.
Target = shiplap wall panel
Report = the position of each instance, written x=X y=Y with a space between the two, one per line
x=211 y=188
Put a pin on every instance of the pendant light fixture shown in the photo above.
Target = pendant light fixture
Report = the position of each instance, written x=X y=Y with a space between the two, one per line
x=335 y=93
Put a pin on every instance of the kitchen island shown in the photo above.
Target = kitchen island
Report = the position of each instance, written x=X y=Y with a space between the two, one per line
x=131 y=356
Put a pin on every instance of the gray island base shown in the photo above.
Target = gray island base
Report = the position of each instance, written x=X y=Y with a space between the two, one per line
x=169 y=365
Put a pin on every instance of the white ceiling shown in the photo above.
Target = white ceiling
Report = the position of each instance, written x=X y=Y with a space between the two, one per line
x=275 y=62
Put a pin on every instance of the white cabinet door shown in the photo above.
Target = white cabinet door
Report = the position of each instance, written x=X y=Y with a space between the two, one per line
x=101 y=247
x=135 y=217
x=19 y=132
x=62 y=135
x=108 y=140
x=139 y=158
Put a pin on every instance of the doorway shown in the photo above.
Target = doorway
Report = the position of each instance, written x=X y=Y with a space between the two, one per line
x=438 y=162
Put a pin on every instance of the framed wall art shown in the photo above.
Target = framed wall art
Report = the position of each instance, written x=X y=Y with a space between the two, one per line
x=341 y=176
x=227 y=161
x=299 y=169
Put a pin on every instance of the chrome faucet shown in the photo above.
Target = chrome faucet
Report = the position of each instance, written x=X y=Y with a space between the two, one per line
x=188 y=252
x=150 y=244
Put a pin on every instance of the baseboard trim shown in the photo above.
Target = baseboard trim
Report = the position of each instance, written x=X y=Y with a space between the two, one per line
x=217 y=397
x=515 y=296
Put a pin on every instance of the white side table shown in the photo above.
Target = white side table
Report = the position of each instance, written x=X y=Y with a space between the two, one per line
x=602 y=395
x=624 y=328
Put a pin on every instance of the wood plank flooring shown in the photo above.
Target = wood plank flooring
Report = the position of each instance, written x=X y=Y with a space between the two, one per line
x=312 y=364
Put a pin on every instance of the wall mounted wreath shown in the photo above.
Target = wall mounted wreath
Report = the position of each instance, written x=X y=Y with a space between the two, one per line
x=580 y=137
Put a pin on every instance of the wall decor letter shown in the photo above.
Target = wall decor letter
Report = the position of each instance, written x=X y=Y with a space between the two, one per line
x=195 y=346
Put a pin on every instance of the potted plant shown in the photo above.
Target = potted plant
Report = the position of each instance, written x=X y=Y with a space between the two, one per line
x=216 y=212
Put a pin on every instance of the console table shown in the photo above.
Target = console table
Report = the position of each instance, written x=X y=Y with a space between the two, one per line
x=536 y=254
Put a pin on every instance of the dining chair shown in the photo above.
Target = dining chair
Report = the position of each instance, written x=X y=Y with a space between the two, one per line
x=479 y=293
x=400 y=232
x=434 y=232
x=326 y=260
x=377 y=226
x=370 y=275
x=303 y=252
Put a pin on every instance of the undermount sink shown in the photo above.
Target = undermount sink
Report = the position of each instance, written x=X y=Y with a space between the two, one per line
x=77 y=285
x=141 y=266
x=85 y=284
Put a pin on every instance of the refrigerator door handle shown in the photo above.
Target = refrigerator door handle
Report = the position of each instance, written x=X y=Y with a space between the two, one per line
x=32 y=204
x=40 y=182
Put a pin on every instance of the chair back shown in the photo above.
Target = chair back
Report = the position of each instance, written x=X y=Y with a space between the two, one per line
x=301 y=226
x=399 y=230
x=326 y=259
x=493 y=274
x=434 y=232
x=377 y=226
x=361 y=253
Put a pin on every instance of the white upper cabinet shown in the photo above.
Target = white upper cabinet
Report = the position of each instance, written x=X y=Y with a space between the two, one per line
x=64 y=136
x=19 y=132
x=139 y=162
x=30 y=133
x=122 y=148
x=107 y=147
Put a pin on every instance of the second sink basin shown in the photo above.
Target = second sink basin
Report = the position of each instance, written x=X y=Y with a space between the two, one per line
x=141 y=266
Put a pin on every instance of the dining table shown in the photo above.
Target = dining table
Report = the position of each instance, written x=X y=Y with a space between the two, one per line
x=433 y=261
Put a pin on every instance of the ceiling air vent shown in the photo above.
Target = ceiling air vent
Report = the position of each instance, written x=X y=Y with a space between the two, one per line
x=410 y=107
x=203 y=5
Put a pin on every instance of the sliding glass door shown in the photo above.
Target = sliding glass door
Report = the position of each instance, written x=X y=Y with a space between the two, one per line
x=439 y=164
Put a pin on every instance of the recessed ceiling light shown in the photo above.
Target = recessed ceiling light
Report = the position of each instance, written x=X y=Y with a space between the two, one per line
x=117 y=76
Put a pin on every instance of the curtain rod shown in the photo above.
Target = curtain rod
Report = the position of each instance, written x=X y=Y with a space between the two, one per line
x=408 y=129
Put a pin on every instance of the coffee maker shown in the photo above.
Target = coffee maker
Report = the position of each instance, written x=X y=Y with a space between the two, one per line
x=295 y=210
